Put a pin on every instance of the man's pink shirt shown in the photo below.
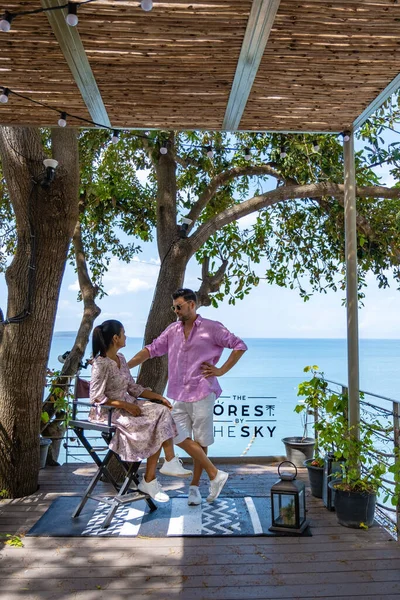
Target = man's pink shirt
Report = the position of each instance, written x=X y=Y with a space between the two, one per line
x=204 y=344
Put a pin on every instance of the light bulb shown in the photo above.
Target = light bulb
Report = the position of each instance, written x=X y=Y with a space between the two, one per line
x=5 y=23
x=62 y=121
x=346 y=137
x=146 y=5
x=247 y=154
x=164 y=149
x=72 y=17
x=115 y=136
x=4 y=96
x=283 y=153
x=186 y=221
x=210 y=152
x=50 y=162
x=315 y=147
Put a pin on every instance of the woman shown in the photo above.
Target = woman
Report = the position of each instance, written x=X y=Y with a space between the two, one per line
x=142 y=427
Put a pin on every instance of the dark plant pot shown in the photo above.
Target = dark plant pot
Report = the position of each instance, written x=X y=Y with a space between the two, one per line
x=316 y=477
x=44 y=448
x=299 y=449
x=332 y=465
x=354 y=509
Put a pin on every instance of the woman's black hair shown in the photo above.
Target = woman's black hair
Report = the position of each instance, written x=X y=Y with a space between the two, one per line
x=103 y=335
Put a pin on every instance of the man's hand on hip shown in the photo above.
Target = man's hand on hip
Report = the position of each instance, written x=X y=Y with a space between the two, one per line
x=209 y=370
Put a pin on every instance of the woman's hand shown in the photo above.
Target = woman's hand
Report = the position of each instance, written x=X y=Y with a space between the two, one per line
x=166 y=402
x=133 y=409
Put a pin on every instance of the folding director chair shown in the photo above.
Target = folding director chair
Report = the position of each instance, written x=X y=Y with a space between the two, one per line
x=125 y=495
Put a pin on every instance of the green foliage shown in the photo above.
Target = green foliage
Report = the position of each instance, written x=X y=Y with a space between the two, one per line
x=334 y=434
x=60 y=396
x=11 y=540
x=302 y=241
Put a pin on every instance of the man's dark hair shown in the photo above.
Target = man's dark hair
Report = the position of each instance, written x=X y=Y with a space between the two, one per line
x=186 y=294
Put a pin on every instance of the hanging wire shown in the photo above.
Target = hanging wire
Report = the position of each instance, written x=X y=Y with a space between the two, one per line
x=26 y=311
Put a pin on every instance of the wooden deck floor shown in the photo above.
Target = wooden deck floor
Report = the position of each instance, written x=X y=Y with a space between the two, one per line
x=335 y=563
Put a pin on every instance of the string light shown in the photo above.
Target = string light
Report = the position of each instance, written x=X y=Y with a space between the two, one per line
x=5 y=23
x=62 y=121
x=72 y=17
x=4 y=96
x=146 y=5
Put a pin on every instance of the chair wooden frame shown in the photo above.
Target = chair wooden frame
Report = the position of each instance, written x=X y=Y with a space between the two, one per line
x=125 y=495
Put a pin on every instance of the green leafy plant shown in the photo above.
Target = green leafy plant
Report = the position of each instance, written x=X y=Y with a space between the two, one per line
x=329 y=410
x=11 y=540
x=361 y=471
x=60 y=397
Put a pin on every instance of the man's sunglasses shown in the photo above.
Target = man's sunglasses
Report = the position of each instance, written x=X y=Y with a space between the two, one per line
x=179 y=306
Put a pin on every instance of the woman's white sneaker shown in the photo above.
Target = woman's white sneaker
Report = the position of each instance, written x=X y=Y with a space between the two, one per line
x=194 y=496
x=153 y=489
x=174 y=468
x=216 y=485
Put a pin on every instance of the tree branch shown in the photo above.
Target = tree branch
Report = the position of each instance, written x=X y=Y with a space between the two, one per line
x=210 y=283
x=225 y=177
x=281 y=194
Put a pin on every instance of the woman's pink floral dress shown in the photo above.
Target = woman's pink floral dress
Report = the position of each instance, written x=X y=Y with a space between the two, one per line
x=136 y=438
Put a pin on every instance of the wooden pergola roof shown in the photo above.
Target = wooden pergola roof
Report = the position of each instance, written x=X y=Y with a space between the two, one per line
x=289 y=65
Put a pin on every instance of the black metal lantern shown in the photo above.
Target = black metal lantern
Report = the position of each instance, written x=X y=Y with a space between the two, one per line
x=288 y=502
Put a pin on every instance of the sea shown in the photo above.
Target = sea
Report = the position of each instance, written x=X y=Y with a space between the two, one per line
x=256 y=408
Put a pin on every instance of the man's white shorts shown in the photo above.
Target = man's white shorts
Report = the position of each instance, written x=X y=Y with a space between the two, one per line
x=195 y=418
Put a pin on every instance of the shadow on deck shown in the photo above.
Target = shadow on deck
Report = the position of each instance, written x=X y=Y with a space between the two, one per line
x=335 y=563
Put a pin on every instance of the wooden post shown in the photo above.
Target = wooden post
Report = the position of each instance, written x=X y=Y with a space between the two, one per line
x=351 y=283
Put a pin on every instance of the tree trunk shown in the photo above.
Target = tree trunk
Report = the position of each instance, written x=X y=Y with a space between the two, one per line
x=56 y=429
x=154 y=373
x=50 y=216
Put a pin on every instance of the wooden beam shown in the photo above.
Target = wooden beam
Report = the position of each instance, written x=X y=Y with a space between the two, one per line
x=75 y=55
x=259 y=25
x=379 y=100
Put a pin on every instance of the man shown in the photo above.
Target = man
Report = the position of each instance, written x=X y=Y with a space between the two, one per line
x=194 y=345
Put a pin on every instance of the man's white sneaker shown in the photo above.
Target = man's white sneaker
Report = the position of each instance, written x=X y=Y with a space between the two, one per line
x=194 y=496
x=174 y=468
x=216 y=485
x=153 y=489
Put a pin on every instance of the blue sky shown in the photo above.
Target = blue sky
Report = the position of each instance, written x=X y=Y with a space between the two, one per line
x=269 y=311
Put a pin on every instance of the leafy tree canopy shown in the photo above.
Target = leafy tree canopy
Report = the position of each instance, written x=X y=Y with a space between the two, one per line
x=301 y=240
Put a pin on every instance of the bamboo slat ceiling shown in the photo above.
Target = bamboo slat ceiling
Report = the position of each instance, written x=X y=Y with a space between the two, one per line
x=173 y=68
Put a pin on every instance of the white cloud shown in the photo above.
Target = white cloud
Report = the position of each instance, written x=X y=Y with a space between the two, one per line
x=74 y=287
x=134 y=285
x=135 y=277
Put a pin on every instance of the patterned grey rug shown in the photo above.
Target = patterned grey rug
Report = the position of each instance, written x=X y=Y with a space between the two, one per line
x=247 y=516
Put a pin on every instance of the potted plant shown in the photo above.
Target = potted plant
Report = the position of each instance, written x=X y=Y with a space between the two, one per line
x=301 y=448
x=356 y=489
x=330 y=423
